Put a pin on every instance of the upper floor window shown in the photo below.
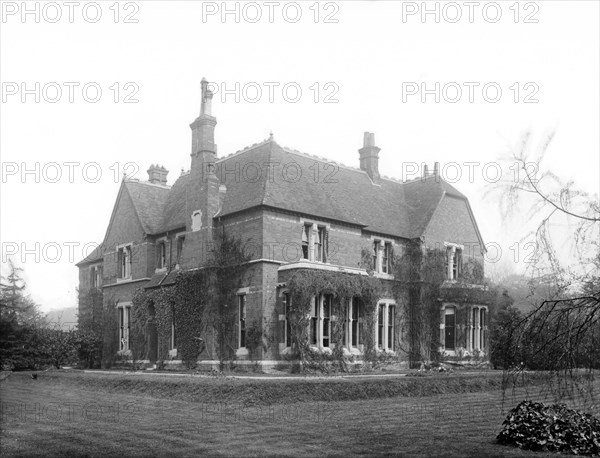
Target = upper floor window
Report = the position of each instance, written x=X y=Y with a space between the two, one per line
x=305 y=240
x=161 y=254
x=383 y=255
x=95 y=277
x=196 y=220
x=125 y=261
x=386 y=262
x=180 y=242
x=315 y=240
x=454 y=260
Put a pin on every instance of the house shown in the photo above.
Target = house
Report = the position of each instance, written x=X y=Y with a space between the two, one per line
x=297 y=213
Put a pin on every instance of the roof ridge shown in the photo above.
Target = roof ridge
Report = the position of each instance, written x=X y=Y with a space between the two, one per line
x=138 y=181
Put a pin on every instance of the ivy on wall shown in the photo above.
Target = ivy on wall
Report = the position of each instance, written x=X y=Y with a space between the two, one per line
x=201 y=303
x=304 y=285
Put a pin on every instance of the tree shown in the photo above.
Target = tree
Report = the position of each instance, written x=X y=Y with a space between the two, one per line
x=562 y=332
x=20 y=319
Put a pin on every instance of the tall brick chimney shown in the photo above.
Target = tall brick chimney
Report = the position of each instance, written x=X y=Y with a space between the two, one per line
x=203 y=195
x=369 y=156
x=157 y=174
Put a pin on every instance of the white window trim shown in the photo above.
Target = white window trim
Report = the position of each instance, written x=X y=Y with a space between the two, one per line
x=124 y=334
x=312 y=235
x=475 y=338
x=384 y=347
x=378 y=271
x=241 y=351
x=123 y=246
x=348 y=348
x=451 y=249
x=442 y=348
x=196 y=227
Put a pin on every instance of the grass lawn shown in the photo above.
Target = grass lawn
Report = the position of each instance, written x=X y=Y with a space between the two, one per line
x=71 y=414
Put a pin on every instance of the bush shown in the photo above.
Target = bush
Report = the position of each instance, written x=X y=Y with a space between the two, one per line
x=555 y=428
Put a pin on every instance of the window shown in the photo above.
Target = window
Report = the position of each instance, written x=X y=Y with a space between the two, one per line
x=125 y=260
x=196 y=220
x=354 y=314
x=390 y=328
x=124 y=327
x=380 y=328
x=382 y=256
x=95 y=277
x=327 y=300
x=173 y=335
x=454 y=254
x=314 y=242
x=386 y=265
x=314 y=319
x=288 y=326
x=161 y=254
x=305 y=240
x=482 y=333
x=474 y=324
x=449 y=329
x=242 y=315
x=385 y=326
x=375 y=255
x=321 y=245
x=180 y=241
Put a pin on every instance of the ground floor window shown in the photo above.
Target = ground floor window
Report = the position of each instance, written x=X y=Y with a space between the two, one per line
x=242 y=321
x=124 y=312
x=478 y=328
x=288 y=326
x=449 y=328
x=386 y=313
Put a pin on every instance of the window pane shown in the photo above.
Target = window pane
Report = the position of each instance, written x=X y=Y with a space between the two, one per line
x=449 y=330
x=390 y=343
x=380 y=327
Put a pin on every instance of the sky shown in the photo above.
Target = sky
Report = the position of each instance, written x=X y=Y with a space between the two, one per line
x=93 y=90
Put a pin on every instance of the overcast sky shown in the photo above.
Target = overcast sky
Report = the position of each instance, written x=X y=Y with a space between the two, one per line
x=360 y=66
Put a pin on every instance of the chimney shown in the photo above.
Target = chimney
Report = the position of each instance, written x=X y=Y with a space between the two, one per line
x=203 y=192
x=425 y=171
x=369 y=156
x=436 y=170
x=203 y=128
x=157 y=174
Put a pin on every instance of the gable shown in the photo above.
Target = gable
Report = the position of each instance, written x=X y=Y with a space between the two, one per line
x=453 y=221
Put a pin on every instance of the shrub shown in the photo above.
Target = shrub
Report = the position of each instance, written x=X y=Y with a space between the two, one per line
x=555 y=428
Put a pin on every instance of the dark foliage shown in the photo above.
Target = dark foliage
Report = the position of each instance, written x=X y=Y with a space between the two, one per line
x=555 y=428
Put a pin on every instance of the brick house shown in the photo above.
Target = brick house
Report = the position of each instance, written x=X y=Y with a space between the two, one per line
x=298 y=212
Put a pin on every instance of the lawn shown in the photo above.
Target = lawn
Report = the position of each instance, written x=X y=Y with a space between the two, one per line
x=73 y=414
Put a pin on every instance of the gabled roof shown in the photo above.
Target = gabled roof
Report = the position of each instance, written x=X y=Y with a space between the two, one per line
x=339 y=193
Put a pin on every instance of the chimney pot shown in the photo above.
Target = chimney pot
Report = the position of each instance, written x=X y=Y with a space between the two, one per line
x=157 y=174
x=369 y=156
x=436 y=169
x=425 y=171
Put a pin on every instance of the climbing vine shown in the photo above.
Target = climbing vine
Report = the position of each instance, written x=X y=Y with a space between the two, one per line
x=201 y=305
x=304 y=285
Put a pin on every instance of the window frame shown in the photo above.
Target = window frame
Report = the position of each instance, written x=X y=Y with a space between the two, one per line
x=125 y=260
x=124 y=323
x=161 y=253
x=385 y=332
x=446 y=327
